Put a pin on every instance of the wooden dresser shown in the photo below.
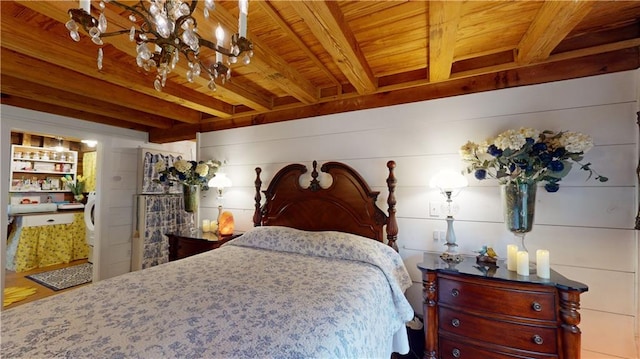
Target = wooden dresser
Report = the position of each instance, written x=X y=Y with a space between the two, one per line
x=477 y=311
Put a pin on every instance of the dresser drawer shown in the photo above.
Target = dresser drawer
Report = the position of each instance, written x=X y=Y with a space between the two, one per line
x=510 y=334
x=512 y=301
x=47 y=219
x=456 y=349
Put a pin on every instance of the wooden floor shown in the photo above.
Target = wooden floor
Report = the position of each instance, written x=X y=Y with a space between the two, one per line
x=13 y=279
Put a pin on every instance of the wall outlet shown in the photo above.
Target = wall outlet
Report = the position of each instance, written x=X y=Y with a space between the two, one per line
x=434 y=209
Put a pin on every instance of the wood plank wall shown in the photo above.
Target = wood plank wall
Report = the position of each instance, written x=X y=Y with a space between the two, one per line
x=587 y=226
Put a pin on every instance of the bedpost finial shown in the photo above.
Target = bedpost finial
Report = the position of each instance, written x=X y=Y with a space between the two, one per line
x=391 y=165
x=314 y=186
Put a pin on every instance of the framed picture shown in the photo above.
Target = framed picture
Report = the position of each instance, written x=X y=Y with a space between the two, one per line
x=147 y=171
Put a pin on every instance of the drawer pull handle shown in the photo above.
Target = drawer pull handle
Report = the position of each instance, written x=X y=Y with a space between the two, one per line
x=536 y=306
x=51 y=220
x=456 y=353
x=455 y=292
x=538 y=339
x=455 y=322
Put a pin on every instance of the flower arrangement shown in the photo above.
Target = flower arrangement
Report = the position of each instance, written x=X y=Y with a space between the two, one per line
x=76 y=187
x=529 y=156
x=187 y=172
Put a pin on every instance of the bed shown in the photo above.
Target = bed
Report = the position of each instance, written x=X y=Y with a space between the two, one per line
x=317 y=277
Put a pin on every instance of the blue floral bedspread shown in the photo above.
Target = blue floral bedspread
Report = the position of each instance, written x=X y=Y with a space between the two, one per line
x=275 y=292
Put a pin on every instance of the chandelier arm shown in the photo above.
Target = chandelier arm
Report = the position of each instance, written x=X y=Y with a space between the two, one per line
x=192 y=7
x=148 y=27
x=212 y=46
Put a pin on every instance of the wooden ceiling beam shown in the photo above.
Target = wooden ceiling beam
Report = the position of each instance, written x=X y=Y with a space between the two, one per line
x=326 y=22
x=38 y=92
x=35 y=105
x=292 y=36
x=552 y=23
x=22 y=67
x=265 y=61
x=444 y=17
x=621 y=60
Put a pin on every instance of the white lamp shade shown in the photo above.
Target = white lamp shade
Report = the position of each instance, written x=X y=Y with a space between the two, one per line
x=448 y=180
x=220 y=180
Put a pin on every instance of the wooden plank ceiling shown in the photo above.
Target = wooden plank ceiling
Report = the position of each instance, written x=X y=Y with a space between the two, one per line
x=313 y=58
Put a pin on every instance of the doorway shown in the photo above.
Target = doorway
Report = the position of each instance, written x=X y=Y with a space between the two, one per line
x=48 y=171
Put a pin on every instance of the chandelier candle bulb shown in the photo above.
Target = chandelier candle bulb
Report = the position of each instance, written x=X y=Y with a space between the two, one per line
x=219 y=41
x=542 y=264
x=85 y=5
x=523 y=263
x=242 y=18
x=512 y=260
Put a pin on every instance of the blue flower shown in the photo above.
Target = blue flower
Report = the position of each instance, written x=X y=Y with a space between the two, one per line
x=540 y=146
x=494 y=151
x=556 y=166
x=552 y=187
x=481 y=174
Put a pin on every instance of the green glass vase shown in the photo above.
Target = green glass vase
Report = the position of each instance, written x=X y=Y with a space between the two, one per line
x=519 y=206
x=190 y=197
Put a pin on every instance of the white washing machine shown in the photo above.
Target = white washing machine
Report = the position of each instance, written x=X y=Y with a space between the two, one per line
x=90 y=223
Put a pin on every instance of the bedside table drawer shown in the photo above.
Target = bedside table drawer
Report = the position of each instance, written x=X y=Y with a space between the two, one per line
x=455 y=349
x=508 y=334
x=512 y=301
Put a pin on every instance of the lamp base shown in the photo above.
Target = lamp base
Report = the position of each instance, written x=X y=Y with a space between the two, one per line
x=451 y=257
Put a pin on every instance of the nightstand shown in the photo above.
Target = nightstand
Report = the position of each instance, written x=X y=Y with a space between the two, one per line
x=182 y=244
x=472 y=310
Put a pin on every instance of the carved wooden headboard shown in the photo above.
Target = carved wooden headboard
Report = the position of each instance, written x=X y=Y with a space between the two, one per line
x=347 y=205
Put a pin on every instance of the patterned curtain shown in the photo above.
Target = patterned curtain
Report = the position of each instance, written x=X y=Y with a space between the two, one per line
x=89 y=171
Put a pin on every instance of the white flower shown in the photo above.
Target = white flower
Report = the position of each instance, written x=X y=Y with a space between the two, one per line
x=160 y=166
x=182 y=166
x=468 y=151
x=202 y=169
x=510 y=139
x=576 y=142
x=528 y=132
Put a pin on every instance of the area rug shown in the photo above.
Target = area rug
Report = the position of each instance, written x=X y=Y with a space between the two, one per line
x=16 y=294
x=64 y=278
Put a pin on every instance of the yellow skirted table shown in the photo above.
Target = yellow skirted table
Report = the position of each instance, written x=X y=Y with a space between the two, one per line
x=42 y=246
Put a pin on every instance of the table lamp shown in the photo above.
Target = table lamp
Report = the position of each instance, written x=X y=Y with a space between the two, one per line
x=220 y=181
x=449 y=183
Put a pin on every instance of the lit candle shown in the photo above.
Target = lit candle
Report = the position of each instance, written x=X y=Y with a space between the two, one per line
x=542 y=263
x=219 y=42
x=512 y=249
x=206 y=225
x=242 y=19
x=523 y=263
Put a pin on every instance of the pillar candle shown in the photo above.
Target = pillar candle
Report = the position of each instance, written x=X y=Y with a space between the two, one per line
x=206 y=225
x=523 y=263
x=542 y=261
x=512 y=249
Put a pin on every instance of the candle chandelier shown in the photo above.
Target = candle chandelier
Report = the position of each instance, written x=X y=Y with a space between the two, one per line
x=164 y=29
